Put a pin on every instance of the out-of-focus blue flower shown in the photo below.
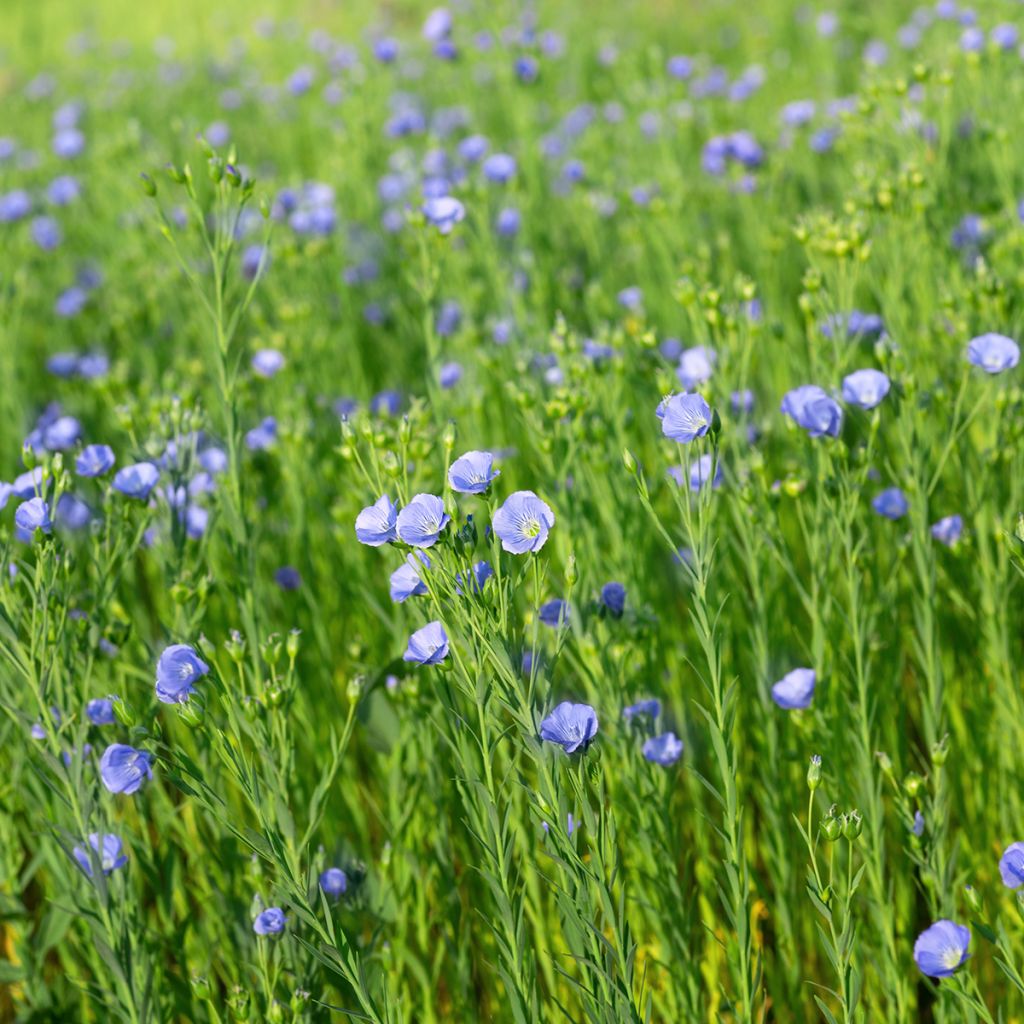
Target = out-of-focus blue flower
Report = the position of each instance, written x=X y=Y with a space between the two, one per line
x=428 y=645
x=917 y=826
x=100 y=711
x=554 y=613
x=507 y=222
x=527 y=69
x=177 y=669
x=684 y=418
x=267 y=362
x=449 y=375
x=700 y=473
x=480 y=573
x=948 y=530
x=499 y=168
x=270 y=921
x=334 y=882
x=444 y=212
x=376 y=524
x=665 y=749
x=72 y=512
x=651 y=707
x=811 y=408
x=473 y=148
x=795 y=689
x=570 y=725
x=972 y=40
x=94 y=460
x=679 y=67
x=994 y=353
x=15 y=206
x=438 y=25
x=385 y=50
x=1011 y=866
x=891 y=503
x=695 y=366
x=262 y=437
x=630 y=298
x=108 y=851
x=407 y=580
x=473 y=473
x=1005 y=36
x=32 y=515
x=421 y=521
x=941 y=948
x=523 y=522
x=856 y=325
x=288 y=578
x=136 y=481
x=865 y=388
x=742 y=402
x=798 y=113
x=68 y=143
x=123 y=769
x=28 y=484
x=46 y=233
x=613 y=597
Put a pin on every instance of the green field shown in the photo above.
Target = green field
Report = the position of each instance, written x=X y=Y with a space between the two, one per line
x=511 y=513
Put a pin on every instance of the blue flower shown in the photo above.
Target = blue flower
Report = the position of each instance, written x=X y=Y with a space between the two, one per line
x=865 y=388
x=917 y=826
x=1011 y=866
x=891 y=503
x=177 y=669
x=108 y=850
x=554 y=613
x=427 y=646
x=948 y=529
x=481 y=572
x=700 y=473
x=695 y=366
x=123 y=769
x=665 y=749
x=809 y=407
x=650 y=707
x=270 y=921
x=376 y=524
x=795 y=689
x=473 y=473
x=523 y=522
x=100 y=711
x=994 y=353
x=406 y=580
x=421 y=521
x=444 y=213
x=499 y=168
x=263 y=436
x=334 y=882
x=449 y=375
x=288 y=577
x=94 y=460
x=570 y=725
x=267 y=362
x=136 y=481
x=684 y=418
x=30 y=516
x=942 y=948
x=613 y=597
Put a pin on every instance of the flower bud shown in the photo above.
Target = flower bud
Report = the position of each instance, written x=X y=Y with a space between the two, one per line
x=292 y=644
x=971 y=895
x=814 y=773
x=853 y=825
x=629 y=461
x=912 y=784
x=940 y=751
x=191 y=713
x=572 y=574
x=449 y=436
x=148 y=185
x=354 y=689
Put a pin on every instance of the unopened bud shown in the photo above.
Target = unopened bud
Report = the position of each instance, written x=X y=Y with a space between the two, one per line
x=814 y=773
